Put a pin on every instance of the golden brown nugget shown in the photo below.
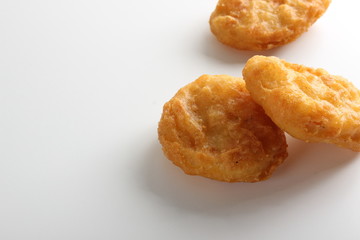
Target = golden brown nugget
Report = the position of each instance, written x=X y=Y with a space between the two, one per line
x=213 y=128
x=309 y=104
x=263 y=24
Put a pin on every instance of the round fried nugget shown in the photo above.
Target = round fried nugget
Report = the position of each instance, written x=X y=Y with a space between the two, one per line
x=309 y=104
x=213 y=128
x=263 y=24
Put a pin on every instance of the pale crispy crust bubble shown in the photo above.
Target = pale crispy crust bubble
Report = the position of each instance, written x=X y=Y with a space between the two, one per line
x=213 y=128
x=309 y=104
x=263 y=24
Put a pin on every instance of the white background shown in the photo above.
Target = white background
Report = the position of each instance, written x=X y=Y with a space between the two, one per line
x=82 y=84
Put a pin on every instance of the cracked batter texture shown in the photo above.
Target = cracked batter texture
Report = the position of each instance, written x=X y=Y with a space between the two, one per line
x=263 y=24
x=309 y=104
x=213 y=128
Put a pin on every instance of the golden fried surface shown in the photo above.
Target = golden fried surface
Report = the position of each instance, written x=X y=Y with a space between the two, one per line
x=309 y=104
x=213 y=128
x=263 y=24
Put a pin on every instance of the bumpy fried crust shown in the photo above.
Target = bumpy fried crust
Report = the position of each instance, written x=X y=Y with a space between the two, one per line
x=309 y=104
x=213 y=128
x=263 y=24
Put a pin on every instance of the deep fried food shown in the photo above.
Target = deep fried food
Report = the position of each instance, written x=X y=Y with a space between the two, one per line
x=213 y=128
x=263 y=24
x=309 y=104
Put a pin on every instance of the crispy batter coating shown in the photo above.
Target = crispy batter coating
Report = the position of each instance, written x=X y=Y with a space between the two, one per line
x=309 y=104
x=263 y=24
x=213 y=128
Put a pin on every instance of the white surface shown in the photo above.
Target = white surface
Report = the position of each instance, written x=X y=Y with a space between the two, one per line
x=82 y=84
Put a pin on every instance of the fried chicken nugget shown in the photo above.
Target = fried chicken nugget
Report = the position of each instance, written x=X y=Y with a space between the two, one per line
x=263 y=24
x=309 y=104
x=213 y=128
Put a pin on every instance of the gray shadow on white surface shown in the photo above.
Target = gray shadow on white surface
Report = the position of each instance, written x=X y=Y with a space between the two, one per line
x=307 y=166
